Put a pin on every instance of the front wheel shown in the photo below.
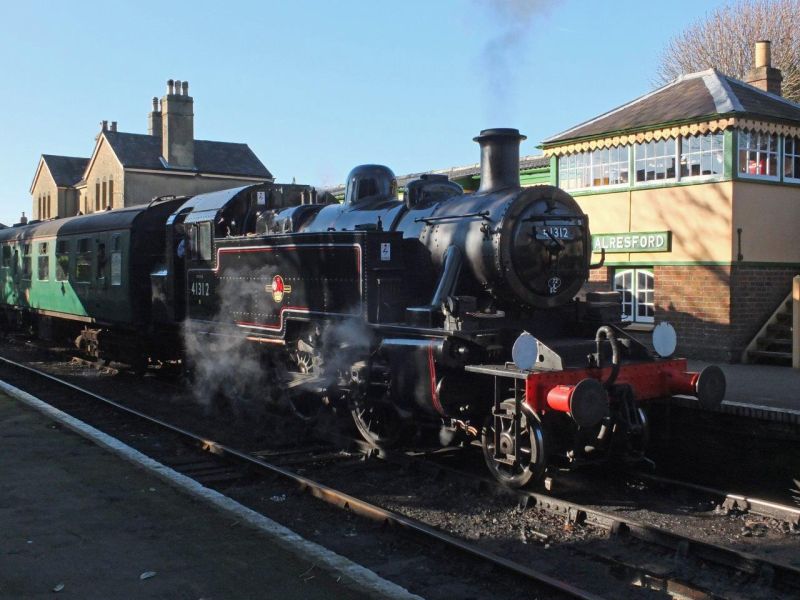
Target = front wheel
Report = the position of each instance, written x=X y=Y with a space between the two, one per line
x=514 y=448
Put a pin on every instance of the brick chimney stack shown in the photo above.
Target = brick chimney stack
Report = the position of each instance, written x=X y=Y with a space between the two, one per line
x=177 y=125
x=763 y=75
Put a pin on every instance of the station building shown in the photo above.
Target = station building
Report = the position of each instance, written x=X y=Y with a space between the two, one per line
x=126 y=169
x=693 y=191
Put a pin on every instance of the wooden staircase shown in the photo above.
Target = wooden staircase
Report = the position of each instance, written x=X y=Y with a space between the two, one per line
x=773 y=343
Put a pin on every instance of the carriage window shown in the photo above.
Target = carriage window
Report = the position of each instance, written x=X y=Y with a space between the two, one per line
x=26 y=261
x=43 y=265
x=83 y=263
x=62 y=260
x=116 y=261
x=101 y=261
x=638 y=290
x=204 y=241
x=6 y=257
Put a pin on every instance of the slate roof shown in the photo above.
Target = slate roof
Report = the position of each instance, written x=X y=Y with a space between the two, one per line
x=66 y=170
x=140 y=151
x=703 y=95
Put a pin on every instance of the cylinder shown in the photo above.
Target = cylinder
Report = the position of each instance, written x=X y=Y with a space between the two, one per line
x=499 y=158
x=708 y=386
x=586 y=402
x=763 y=54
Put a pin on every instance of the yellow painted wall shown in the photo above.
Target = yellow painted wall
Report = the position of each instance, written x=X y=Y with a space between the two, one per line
x=699 y=217
x=104 y=168
x=769 y=216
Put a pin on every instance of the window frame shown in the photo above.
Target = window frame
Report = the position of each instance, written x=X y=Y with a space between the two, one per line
x=27 y=262
x=590 y=168
x=634 y=317
x=42 y=252
x=711 y=135
x=84 y=258
x=675 y=157
x=778 y=156
x=59 y=254
x=795 y=156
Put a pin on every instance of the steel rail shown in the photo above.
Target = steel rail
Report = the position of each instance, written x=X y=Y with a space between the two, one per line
x=731 y=501
x=330 y=495
x=683 y=545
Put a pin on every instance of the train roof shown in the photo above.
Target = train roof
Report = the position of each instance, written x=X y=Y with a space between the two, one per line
x=107 y=220
x=204 y=207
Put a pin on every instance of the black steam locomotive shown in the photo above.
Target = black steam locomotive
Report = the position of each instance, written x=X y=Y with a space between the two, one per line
x=460 y=313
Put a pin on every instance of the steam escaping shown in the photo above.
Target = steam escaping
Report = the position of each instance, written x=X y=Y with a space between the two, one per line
x=247 y=377
x=505 y=51
x=222 y=362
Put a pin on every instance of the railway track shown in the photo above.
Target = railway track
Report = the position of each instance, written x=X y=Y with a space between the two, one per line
x=223 y=464
x=208 y=471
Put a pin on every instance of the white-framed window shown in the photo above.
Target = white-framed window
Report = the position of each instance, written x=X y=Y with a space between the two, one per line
x=656 y=161
x=702 y=155
x=595 y=168
x=758 y=155
x=791 y=158
x=638 y=294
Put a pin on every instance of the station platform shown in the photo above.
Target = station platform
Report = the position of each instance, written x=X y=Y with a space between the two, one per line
x=759 y=391
x=78 y=521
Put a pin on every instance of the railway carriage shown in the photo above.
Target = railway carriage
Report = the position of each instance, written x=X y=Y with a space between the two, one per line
x=88 y=276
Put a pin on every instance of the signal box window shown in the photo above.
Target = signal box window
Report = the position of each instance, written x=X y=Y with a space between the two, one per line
x=638 y=290
x=655 y=161
x=791 y=158
x=83 y=262
x=26 y=261
x=758 y=154
x=43 y=265
x=62 y=260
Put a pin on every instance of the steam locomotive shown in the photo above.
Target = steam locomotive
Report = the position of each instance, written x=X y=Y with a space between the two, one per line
x=459 y=313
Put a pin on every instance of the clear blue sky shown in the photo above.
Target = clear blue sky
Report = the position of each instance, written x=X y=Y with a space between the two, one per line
x=317 y=87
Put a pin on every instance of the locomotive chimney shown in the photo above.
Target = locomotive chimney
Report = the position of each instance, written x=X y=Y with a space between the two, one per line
x=499 y=158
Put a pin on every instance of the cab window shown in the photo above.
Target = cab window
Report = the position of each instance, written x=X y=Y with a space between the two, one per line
x=6 y=256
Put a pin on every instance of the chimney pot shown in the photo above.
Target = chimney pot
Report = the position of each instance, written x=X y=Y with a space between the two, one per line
x=155 y=104
x=763 y=56
x=103 y=125
x=178 y=86
x=113 y=125
x=185 y=88
x=170 y=84
x=23 y=219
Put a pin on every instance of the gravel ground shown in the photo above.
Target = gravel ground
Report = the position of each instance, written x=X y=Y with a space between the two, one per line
x=536 y=537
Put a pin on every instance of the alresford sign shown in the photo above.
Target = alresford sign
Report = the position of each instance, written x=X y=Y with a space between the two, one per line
x=636 y=241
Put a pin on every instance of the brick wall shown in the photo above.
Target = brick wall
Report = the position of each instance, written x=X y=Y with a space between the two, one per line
x=716 y=310
x=696 y=301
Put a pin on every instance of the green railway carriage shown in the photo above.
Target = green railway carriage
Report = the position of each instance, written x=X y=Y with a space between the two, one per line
x=88 y=274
